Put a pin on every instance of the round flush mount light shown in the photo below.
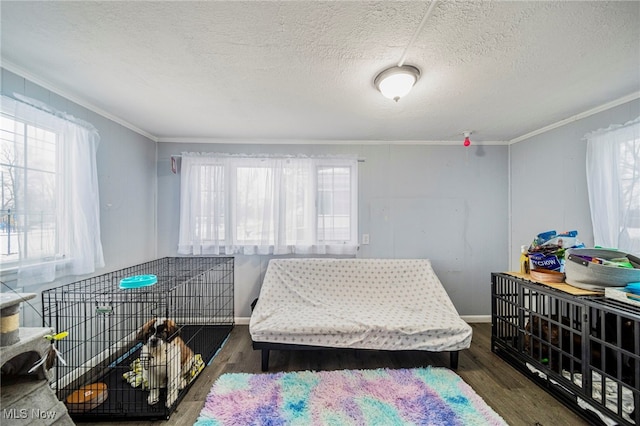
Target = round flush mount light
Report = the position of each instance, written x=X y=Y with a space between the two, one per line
x=396 y=82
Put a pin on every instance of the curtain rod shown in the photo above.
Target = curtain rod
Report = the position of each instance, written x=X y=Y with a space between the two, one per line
x=44 y=107
x=360 y=160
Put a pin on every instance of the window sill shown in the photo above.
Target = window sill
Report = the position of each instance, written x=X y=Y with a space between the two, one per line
x=8 y=273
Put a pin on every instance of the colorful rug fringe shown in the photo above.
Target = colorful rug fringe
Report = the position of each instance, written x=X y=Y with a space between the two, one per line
x=422 y=396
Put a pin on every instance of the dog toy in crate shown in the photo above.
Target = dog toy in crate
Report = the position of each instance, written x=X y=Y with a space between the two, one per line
x=136 y=377
x=196 y=368
x=52 y=354
x=138 y=281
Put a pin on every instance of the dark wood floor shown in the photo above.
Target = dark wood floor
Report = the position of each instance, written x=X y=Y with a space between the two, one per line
x=518 y=400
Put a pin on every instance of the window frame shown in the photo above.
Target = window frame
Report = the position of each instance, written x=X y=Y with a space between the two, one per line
x=288 y=238
x=77 y=203
x=353 y=202
x=58 y=256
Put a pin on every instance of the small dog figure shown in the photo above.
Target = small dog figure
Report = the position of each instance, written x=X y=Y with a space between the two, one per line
x=165 y=358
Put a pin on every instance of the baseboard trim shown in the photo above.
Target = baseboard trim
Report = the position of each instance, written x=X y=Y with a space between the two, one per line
x=242 y=320
x=476 y=318
x=467 y=318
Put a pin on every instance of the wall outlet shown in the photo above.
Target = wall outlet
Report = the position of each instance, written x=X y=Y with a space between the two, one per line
x=365 y=239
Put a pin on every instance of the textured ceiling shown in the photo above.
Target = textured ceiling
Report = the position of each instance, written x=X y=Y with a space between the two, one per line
x=304 y=70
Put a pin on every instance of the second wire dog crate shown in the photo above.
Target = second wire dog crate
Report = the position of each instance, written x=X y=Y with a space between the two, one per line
x=585 y=350
x=102 y=350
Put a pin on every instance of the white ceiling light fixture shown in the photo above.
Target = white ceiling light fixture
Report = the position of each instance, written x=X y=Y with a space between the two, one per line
x=396 y=82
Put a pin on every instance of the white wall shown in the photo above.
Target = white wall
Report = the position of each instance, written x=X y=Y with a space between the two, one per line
x=548 y=187
x=445 y=203
x=127 y=180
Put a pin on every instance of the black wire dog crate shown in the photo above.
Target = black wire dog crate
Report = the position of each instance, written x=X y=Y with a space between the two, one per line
x=584 y=350
x=108 y=369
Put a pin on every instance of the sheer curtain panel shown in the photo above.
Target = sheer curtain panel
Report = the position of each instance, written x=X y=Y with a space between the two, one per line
x=613 y=180
x=50 y=212
x=267 y=205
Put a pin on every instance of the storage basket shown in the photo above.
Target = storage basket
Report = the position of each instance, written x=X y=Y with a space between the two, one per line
x=589 y=275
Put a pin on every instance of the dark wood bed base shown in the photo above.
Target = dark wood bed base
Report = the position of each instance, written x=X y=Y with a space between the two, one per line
x=265 y=347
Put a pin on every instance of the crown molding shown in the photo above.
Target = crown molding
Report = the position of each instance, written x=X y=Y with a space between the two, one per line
x=603 y=107
x=320 y=141
x=9 y=66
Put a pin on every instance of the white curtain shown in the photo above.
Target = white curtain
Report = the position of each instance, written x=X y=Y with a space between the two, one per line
x=267 y=205
x=613 y=180
x=66 y=239
x=202 y=206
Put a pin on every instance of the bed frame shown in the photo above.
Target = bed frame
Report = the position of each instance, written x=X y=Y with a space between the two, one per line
x=330 y=282
x=265 y=347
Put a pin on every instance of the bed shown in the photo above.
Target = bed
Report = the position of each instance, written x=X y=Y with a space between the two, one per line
x=379 y=304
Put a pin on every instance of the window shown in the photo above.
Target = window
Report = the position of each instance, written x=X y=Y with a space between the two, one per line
x=49 y=211
x=28 y=163
x=334 y=203
x=267 y=205
x=613 y=180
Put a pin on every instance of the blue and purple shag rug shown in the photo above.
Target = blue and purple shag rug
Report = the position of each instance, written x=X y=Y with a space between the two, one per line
x=421 y=396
